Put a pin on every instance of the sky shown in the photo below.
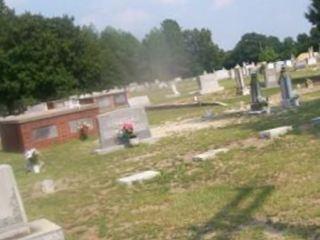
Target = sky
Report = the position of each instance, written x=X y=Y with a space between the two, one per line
x=227 y=19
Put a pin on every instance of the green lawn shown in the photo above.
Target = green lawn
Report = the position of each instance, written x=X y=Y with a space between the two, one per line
x=258 y=190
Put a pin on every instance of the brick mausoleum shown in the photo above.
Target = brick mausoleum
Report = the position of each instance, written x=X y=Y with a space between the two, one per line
x=41 y=129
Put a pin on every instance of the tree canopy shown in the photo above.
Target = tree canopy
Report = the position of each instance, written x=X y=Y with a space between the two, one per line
x=45 y=58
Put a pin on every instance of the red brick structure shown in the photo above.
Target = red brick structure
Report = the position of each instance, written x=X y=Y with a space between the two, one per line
x=40 y=130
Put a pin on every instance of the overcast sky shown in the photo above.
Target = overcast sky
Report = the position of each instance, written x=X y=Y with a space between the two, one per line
x=227 y=19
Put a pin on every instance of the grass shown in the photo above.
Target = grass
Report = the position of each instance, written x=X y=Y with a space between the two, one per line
x=239 y=195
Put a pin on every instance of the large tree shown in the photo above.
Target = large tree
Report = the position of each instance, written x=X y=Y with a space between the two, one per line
x=165 y=51
x=120 y=53
x=204 y=54
x=42 y=59
x=313 y=14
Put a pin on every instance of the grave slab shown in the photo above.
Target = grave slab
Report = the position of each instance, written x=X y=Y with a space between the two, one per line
x=44 y=230
x=48 y=186
x=140 y=177
x=276 y=132
x=210 y=154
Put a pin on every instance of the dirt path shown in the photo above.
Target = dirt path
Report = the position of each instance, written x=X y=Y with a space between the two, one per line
x=191 y=125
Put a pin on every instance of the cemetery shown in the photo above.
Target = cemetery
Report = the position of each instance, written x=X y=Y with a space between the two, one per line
x=254 y=162
x=208 y=132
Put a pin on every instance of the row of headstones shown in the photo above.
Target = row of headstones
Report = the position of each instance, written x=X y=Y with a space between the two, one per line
x=289 y=97
x=13 y=219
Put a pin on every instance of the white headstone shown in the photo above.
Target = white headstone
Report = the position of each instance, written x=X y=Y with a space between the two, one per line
x=209 y=84
x=288 y=63
x=279 y=65
x=312 y=61
x=13 y=219
x=42 y=107
x=222 y=74
x=240 y=84
x=175 y=90
x=270 y=66
x=271 y=78
x=141 y=101
x=232 y=74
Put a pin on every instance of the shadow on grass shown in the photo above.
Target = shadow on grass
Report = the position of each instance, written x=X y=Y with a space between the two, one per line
x=239 y=214
x=234 y=215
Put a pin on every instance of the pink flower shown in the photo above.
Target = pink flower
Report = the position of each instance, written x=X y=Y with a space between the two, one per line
x=128 y=126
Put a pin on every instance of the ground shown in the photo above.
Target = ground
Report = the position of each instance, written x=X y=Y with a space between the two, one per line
x=261 y=189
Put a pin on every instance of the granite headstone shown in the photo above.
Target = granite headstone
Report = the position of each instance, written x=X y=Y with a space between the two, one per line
x=110 y=125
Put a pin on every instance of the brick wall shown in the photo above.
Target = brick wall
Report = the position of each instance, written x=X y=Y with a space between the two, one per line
x=19 y=137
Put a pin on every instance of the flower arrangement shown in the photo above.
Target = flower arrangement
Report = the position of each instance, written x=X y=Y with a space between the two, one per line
x=127 y=133
x=84 y=131
x=33 y=160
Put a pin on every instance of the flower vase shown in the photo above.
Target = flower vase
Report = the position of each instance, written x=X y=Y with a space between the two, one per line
x=36 y=169
x=134 y=142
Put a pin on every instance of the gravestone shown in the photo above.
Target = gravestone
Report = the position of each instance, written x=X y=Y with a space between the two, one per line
x=275 y=132
x=222 y=74
x=175 y=90
x=270 y=78
x=289 y=97
x=141 y=101
x=48 y=186
x=279 y=65
x=270 y=66
x=162 y=85
x=110 y=125
x=177 y=80
x=258 y=102
x=209 y=84
x=232 y=73
x=13 y=219
x=240 y=84
x=41 y=107
x=288 y=63
x=309 y=83
x=210 y=154
x=139 y=177
x=312 y=61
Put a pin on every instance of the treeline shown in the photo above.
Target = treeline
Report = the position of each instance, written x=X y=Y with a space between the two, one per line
x=49 y=58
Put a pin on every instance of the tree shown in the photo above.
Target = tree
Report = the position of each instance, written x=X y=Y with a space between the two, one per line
x=313 y=14
x=288 y=48
x=204 y=54
x=268 y=55
x=303 y=43
x=42 y=59
x=248 y=48
x=120 y=52
x=164 y=51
